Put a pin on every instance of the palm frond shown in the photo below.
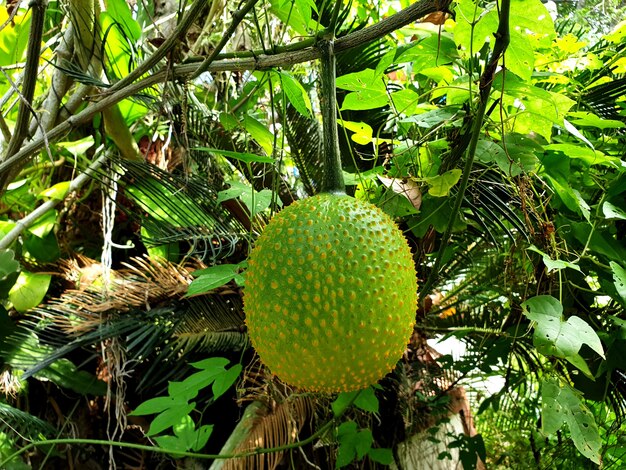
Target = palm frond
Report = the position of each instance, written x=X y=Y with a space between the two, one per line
x=146 y=309
x=20 y=424
x=305 y=141
x=268 y=426
x=176 y=209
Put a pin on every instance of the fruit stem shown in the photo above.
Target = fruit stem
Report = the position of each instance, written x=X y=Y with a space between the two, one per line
x=332 y=181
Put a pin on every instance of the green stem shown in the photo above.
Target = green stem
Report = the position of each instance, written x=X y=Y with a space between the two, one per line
x=486 y=80
x=333 y=176
x=129 y=445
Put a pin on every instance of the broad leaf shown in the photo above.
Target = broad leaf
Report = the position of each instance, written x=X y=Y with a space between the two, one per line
x=561 y=405
x=440 y=185
x=29 y=290
x=8 y=264
x=555 y=337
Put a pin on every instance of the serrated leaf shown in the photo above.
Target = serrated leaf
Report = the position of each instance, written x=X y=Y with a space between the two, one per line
x=367 y=400
x=225 y=380
x=440 y=185
x=296 y=94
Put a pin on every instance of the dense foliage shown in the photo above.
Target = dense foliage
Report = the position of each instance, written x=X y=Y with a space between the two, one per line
x=145 y=146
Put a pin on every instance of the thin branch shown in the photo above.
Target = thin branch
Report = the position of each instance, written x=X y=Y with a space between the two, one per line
x=312 y=438
x=172 y=41
x=486 y=80
x=118 y=92
x=20 y=132
x=238 y=17
x=32 y=217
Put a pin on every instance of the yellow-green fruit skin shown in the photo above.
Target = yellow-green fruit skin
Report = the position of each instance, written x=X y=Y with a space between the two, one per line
x=330 y=294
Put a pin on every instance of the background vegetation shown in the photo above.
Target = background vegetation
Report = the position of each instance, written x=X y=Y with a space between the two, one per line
x=145 y=146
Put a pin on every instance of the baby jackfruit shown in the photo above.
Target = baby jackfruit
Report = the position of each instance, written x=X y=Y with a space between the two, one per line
x=330 y=294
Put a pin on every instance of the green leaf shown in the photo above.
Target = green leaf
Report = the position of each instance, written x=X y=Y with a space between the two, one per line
x=611 y=211
x=532 y=18
x=432 y=51
x=255 y=201
x=44 y=224
x=553 y=265
x=120 y=13
x=383 y=456
x=13 y=38
x=65 y=374
x=353 y=443
x=8 y=264
x=619 y=279
x=343 y=400
x=172 y=443
x=519 y=56
x=57 y=191
x=440 y=185
x=260 y=133
x=29 y=290
x=296 y=94
x=562 y=405
x=157 y=405
x=169 y=417
x=211 y=278
x=484 y=22
x=555 y=337
x=363 y=133
x=368 y=90
x=241 y=156
x=77 y=147
x=367 y=400
x=225 y=380
x=212 y=364
x=202 y=436
x=587 y=155
x=586 y=119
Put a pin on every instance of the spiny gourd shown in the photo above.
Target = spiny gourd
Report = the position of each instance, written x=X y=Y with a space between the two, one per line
x=330 y=294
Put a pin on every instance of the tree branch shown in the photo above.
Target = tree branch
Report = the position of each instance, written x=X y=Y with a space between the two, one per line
x=32 y=217
x=28 y=86
x=486 y=79
x=124 y=88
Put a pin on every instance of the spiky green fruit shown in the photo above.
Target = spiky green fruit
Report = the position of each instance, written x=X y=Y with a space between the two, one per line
x=330 y=294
